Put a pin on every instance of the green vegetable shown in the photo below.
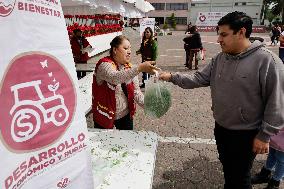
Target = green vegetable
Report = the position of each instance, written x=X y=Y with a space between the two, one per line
x=157 y=100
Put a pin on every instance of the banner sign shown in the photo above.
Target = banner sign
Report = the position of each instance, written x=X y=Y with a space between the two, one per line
x=209 y=18
x=43 y=132
x=255 y=29
x=146 y=22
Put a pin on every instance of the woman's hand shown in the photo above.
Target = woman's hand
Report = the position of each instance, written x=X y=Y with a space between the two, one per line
x=165 y=76
x=151 y=62
x=147 y=67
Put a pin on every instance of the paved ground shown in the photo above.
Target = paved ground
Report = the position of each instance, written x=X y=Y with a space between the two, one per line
x=186 y=159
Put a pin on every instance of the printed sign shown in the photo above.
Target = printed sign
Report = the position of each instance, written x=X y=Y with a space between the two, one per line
x=209 y=18
x=43 y=132
x=146 y=22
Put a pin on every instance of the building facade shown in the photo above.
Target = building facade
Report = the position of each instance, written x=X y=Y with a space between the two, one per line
x=186 y=11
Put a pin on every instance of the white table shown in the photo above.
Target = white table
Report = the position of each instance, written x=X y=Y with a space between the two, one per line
x=120 y=159
x=87 y=67
x=123 y=159
x=85 y=88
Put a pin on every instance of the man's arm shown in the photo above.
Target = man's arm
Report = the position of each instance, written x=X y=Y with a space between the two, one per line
x=199 y=43
x=272 y=80
x=155 y=50
x=198 y=79
x=273 y=96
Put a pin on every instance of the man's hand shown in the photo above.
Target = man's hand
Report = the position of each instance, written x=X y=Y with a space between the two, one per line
x=165 y=76
x=260 y=147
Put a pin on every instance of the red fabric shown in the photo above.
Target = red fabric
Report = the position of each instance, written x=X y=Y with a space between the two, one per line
x=104 y=102
x=79 y=57
x=130 y=99
x=277 y=141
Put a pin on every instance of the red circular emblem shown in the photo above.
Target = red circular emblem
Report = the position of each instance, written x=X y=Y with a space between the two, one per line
x=37 y=100
x=202 y=18
x=6 y=7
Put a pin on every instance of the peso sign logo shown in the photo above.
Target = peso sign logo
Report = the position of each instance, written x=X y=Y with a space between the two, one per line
x=6 y=7
x=37 y=100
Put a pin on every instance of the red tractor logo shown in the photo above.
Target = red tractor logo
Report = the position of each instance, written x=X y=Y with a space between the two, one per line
x=38 y=101
x=6 y=7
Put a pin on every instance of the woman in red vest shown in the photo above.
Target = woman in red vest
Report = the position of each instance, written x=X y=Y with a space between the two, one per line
x=116 y=87
x=78 y=43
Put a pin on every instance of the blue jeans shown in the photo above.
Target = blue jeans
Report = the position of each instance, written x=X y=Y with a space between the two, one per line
x=275 y=160
x=281 y=54
x=145 y=76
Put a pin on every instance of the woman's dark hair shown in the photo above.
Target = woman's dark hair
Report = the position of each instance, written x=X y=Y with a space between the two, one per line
x=116 y=42
x=76 y=30
x=144 y=34
x=237 y=20
x=192 y=29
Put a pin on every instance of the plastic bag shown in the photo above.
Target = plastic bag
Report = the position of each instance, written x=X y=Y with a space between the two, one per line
x=157 y=98
x=199 y=56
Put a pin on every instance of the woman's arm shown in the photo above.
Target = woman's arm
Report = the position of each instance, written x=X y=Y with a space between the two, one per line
x=108 y=73
x=138 y=95
x=155 y=50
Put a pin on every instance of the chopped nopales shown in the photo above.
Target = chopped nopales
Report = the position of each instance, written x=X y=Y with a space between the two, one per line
x=157 y=99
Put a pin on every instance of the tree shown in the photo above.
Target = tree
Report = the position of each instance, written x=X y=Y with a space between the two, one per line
x=165 y=26
x=277 y=8
x=173 y=21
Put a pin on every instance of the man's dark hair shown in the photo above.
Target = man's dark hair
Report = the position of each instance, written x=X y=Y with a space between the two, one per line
x=237 y=20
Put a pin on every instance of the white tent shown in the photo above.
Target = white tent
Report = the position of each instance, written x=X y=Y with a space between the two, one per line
x=127 y=8
x=144 y=6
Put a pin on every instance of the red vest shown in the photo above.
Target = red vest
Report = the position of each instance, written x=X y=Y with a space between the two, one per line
x=104 y=102
x=79 y=57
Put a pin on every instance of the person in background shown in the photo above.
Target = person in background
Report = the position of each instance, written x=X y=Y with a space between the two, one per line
x=192 y=46
x=78 y=43
x=247 y=91
x=274 y=36
x=187 y=31
x=116 y=87
x=186 y=41
x=121 y=23
x=148 y=51
x=278 y=32
x=281 y=48
x=273 y=171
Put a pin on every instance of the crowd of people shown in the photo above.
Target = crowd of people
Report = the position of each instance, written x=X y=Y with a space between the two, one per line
x=275 y=34
x=246 y=82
